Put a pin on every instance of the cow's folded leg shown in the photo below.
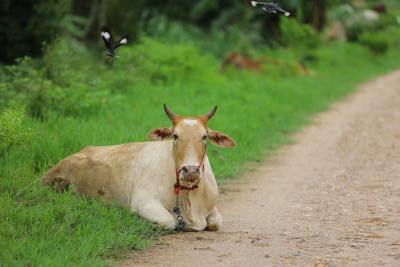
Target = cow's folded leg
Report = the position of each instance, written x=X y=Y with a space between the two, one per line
x=153 y=211
x=214 y=220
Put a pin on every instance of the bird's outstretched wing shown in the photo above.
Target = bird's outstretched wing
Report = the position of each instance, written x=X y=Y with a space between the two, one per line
x=270 y=7
x=285 y=13
x=121 y=42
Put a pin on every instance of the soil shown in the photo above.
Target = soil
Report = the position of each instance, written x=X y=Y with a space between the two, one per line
x=332 y=198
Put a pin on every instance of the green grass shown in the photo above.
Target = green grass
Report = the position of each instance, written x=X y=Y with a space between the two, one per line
x=39 y=227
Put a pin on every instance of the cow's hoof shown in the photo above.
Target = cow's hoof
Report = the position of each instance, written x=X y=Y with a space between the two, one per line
x=169 y=224
x=213 y=227
x=214 y=221
x=190 y=229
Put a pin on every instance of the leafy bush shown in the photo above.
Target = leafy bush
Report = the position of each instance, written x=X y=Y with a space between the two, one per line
x=355 y=21
x=387 y=20
x=66 y=61
x=12 y=131
x=79 y=100
x=294 y=34
x=61 y=83
x=340 y=13
x=25 y=25
x=224 y=35
x=18 y=83
x=156 y=62
x=380 y=42
x=361 y=22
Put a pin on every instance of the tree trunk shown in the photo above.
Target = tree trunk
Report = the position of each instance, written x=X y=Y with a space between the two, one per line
x=318 y=14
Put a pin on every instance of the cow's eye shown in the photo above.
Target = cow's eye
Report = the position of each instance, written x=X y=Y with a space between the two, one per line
x=175 y=137
x=204 y=137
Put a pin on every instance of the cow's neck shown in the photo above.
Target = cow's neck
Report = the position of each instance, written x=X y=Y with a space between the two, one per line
x=197 y=204
x=192 y=204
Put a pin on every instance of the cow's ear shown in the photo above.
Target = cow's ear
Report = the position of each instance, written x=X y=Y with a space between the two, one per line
x=220 y=139
x=160 y=134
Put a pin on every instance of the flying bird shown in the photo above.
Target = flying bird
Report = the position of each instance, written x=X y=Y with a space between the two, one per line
x=270 y=7
x=111 y=46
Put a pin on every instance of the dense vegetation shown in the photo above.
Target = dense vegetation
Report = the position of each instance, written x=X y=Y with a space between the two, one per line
x=56 y=104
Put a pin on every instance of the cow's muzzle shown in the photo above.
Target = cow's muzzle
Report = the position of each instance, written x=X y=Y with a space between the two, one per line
x=190 y=172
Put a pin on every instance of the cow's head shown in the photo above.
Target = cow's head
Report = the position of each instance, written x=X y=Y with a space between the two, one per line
x=190 y=136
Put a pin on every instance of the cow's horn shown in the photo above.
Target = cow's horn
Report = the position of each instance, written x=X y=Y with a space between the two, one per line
x=210 y=114
x=169 y=113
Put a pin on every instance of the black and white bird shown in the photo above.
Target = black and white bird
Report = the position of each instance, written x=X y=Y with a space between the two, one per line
x=270 y=7
x=110 y=44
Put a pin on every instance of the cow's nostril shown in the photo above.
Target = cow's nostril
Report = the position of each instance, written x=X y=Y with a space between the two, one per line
x=191 y=172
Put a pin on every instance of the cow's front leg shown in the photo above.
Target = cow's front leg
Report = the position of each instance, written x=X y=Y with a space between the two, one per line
x=214 y=220
x=153 y=211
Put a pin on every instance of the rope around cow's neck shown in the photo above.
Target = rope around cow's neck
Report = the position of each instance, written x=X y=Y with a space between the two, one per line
x=181 y=224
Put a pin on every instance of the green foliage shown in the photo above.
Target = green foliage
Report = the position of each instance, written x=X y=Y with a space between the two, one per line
x=18 y=82
x=374 y=30
x=233 y=38
x=35 y=22
x=59 y=83
x=381 y=41
x=295 y=34
x=203 y=7
x=358 y=24
x=378 y=43
x=26 y=25
x=80 y=100
x=387 y=20
x=341 y=13
x=12 y=131
x=158 y=62
x=355 y=21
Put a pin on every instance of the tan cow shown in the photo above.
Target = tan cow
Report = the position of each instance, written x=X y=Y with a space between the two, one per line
x=243 y=62
x=148 y=177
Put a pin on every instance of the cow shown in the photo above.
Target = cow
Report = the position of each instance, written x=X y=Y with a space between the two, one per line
x=242 y=62
x=152 y=178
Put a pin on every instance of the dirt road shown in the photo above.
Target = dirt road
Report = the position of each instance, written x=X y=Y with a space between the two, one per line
x=330 y=199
